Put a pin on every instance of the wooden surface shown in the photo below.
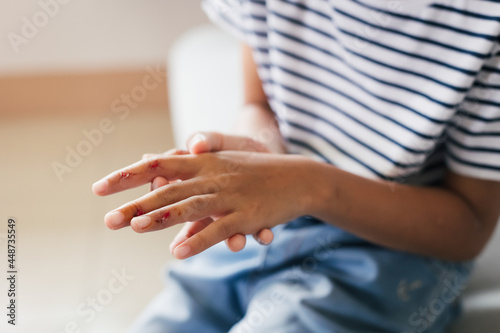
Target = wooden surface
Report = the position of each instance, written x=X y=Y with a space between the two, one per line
x=83 y=92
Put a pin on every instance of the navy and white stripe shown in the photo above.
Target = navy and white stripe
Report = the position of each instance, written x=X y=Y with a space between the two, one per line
x=393 y=90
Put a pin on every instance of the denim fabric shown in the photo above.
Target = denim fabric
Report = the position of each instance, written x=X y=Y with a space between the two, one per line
x=312 y=278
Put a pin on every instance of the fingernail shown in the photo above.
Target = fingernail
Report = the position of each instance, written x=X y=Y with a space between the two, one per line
x=114 y=218
x=261 y=242
x=100 y=186
x=181 y=251
x=197 y=138
x=142 y=222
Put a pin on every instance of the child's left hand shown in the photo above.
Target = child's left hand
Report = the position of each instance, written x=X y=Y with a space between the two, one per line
x=228 y=193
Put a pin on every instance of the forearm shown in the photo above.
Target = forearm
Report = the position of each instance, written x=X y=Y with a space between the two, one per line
x=257 y=121
x=429 y=221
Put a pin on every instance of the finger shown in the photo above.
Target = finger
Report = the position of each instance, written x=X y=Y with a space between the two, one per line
x=264 y=237
x=161 y=197
x=158 y=182
x=144 y=171
x=202 y=142
x=198 y=143
x=188 y=230
x=193 y=208
x=148 y=156
x=214 y=233
x=168 y=152
x=236 y=242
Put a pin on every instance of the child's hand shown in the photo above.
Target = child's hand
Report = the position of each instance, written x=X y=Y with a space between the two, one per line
x=202 y=142
x=227 y=193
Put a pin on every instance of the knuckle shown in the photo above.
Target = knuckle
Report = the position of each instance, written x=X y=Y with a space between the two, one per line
x=153 y=162
x=197 y=204
x=202 y=241
x=165 y=194
x=225 y=230
x=211 y=186
x=137 y=209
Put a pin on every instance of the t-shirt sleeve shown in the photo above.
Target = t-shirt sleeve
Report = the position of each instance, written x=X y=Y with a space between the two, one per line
x=473 y=138
x=227 y=14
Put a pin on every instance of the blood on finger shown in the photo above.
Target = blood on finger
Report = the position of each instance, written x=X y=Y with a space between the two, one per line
x=155 y=164
x=124 y=175
x=163 y=218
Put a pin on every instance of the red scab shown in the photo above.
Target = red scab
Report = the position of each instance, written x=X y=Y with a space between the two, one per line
x=139 y=213
x=164 y=217
x=155 y=164
x=125 y=175
x=178 y=211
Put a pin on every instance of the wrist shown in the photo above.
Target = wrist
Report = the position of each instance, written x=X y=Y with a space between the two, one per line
x=317 y=187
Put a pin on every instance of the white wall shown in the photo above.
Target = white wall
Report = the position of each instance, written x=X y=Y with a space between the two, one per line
x=91 y=34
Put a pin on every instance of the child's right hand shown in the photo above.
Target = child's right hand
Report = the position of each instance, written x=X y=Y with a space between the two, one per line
x=203 y=142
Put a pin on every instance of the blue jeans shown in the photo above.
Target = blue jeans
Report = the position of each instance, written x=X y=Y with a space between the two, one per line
x=312 y=278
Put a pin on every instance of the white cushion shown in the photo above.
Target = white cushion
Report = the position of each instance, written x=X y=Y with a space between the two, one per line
x=205 y=82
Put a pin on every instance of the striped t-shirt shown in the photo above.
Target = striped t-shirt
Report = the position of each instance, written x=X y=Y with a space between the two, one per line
x=396 y=90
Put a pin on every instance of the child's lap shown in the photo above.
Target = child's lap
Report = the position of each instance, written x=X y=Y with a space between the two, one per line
x=312 y=278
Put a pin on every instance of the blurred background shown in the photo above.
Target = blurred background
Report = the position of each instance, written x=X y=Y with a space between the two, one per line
x=83 y=91
x=87 y=87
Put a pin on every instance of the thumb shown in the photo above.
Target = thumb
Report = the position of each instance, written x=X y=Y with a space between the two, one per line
x=158 y=182
x=203 y=142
